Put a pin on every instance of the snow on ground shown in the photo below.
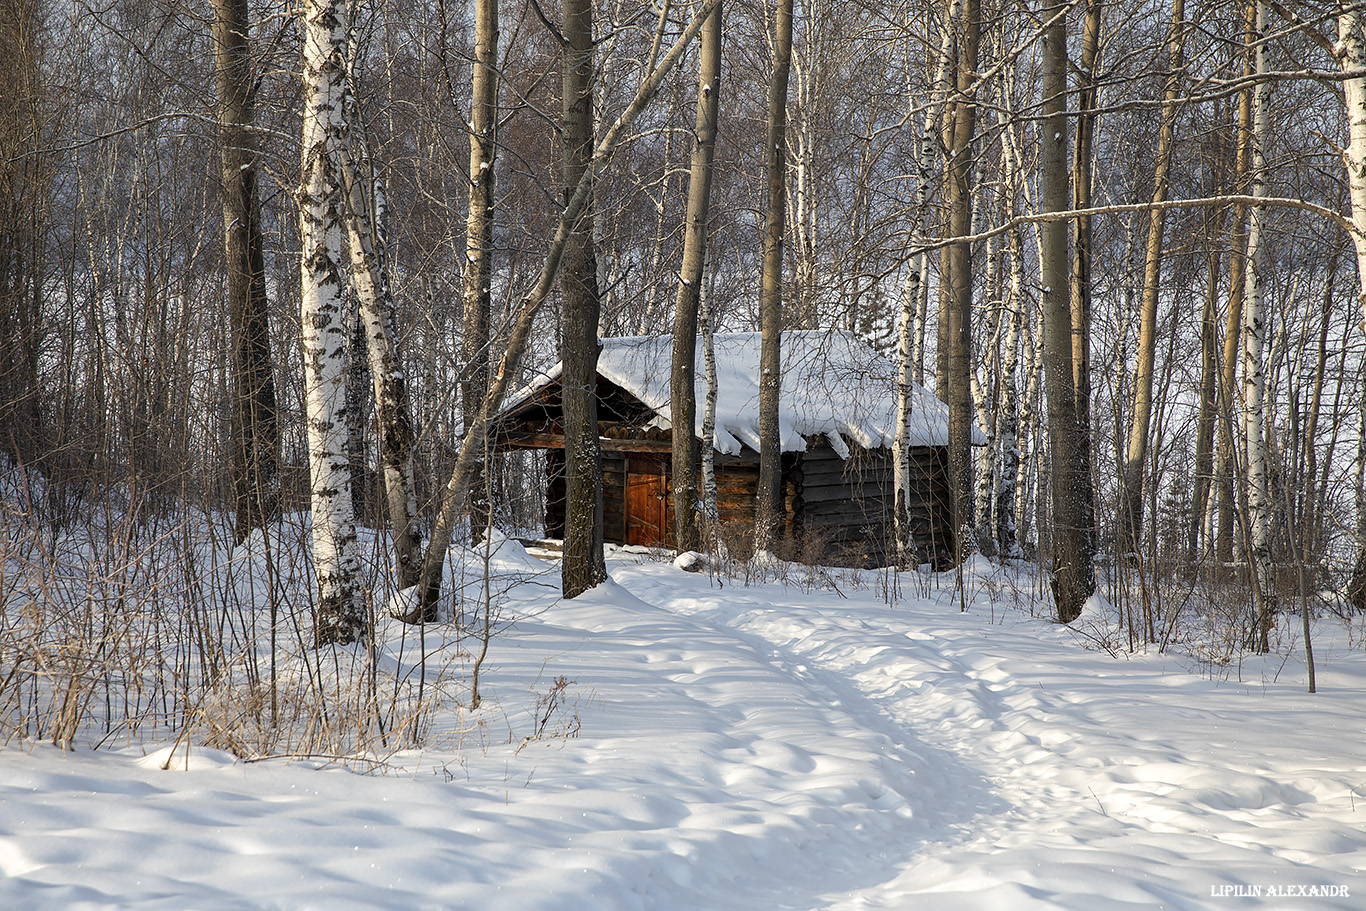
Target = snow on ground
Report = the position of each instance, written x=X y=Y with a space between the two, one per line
x=755 y=747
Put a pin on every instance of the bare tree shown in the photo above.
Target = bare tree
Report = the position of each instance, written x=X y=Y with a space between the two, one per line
x=1209 y=369
x=1073 y=577
x=910 y=333
x=956 y=294
x=583 y=565
x=324 y=323
x=25 y=175
x=1254 y=341
x=768 y=507
x=1225 y=455
x=1083 y=251
x=475 y=337
x=1352 y=45
x=683 y=394
x=456 y=488
x=255 y=427
x=1136 y=459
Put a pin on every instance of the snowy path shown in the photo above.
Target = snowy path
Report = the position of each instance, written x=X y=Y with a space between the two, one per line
x=1087 y=783
x=752 y=749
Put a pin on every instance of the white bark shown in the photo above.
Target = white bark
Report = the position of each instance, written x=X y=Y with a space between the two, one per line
x=386 y=369
x=1026 y=477
x=1352 y=47
x=1254 y=342
x=710 y=513
x=323 y=315
x=1008 y=423
x=982 y=406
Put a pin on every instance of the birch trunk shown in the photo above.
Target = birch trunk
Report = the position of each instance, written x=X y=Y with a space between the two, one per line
x=1032 y=453
x=1254 y=342
x=710 y=512
x=1010 y=477
x=478 y=304
x=1009 y=420
x=323 y=317
x=801 y=211
x=1352 y=47
x=982 y=402
x=387 y=378
x=683 y=392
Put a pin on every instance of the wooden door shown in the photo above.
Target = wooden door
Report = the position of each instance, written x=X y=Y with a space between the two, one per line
x=647 y=491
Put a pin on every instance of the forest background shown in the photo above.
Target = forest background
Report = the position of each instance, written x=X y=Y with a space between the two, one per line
x=1123 y=239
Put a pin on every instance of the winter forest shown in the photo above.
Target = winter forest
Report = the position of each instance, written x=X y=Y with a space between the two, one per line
x=271 y=275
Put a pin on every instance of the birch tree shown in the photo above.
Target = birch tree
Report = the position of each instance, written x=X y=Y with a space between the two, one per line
x=478 y=299
x=1351 y=50
x=397 y=436
x=1254 y=341
x=683 y=394
x=323 y=318
x=710 y=511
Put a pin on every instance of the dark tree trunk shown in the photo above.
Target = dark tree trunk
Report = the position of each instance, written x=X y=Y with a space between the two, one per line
x=1081 y=259
x=583 y=566
x=255 y=429
x=1209 y=373
x=768 y=507
x=1073 y=577
x=959 y=275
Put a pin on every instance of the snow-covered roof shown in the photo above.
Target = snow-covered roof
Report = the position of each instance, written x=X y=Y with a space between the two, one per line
x=833 y=385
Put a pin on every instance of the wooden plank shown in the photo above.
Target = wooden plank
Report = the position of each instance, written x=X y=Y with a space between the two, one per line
x=855 y=511
x=868 y=494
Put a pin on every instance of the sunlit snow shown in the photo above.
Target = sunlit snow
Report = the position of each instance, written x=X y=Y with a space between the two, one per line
x=798 y=744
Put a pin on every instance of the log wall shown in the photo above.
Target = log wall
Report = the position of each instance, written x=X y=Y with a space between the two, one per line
x=837 y=511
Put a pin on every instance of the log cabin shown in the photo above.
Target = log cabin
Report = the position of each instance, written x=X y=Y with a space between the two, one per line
x=837 y=425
